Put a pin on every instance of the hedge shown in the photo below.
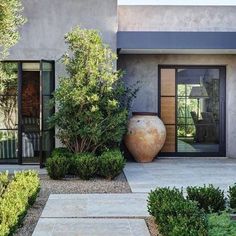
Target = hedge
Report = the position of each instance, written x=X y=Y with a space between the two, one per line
x=175 y=215
x=20 y=193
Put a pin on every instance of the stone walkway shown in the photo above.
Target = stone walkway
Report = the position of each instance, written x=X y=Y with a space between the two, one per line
x=180 y=172
x=123 y=214
x=94 y=214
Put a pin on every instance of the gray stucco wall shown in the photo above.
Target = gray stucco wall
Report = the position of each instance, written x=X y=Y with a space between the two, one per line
x=48 y=21
x=144 y=68
x=177 y=18
x=42 y=37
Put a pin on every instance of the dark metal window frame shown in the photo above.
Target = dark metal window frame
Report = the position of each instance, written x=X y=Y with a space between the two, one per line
x=222 y=126
x=19 y=103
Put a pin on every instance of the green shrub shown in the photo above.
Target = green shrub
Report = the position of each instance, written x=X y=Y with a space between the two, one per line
x=161 y=196
x=57 y=166
x=111 y=164
x=92 y=100
x=86 y=165
x=174 y=215
x=209 y=198
x=232 y=196
x=62 y=152
x=221 y=225
x=19 y=195
x=4 y=180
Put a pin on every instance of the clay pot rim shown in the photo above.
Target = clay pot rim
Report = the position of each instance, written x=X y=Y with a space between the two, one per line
x=144 y=113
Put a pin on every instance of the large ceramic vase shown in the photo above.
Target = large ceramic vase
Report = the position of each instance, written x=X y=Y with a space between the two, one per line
x=145 y=137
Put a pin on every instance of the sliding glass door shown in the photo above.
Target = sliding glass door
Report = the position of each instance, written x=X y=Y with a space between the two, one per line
x=192 y=106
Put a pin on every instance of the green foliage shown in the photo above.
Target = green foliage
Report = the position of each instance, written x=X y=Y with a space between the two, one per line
x=221 y=225
x=209 y=198
x=92 y=102
x=161 y=196
x=8 y=86
x=62 y=152
x=10 y=20
x=111 y=164
x=57 y=166
x=232 y=196
x=86 y=165
x=4 y=180
x=174 y=215
x=20 y=194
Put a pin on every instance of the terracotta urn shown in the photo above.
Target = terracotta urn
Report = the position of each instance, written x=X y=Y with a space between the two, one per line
x=146 y=136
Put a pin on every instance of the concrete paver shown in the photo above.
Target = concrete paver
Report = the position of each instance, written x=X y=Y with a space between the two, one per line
x=96 y=205
x=87 y=227
x=142 y=178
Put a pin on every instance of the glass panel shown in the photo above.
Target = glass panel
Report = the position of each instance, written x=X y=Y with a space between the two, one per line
x=8 y=78
x=47 y=89
x=8 y=112
x=31 y=66
x=8 y=145
x=47 y=78
x=47 y=112
x=30 y=113
x=198 y=110
x=48 y=144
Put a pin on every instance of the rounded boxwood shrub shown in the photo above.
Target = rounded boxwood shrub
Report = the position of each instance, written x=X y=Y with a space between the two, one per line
x=64 y=152
x=160 y=196
x=176 y=215
x=209 y=198
x=86 y=165
x=111 y=163
x=232 y=196
x=57 y=166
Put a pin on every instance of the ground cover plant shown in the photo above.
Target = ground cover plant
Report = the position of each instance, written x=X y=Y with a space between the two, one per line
x=20 y=192
x=221 y=225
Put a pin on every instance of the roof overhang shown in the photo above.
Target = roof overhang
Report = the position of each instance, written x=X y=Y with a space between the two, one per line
x=132 y=42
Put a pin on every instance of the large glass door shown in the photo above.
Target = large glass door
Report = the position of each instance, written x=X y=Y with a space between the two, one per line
x=36 y=139
x=192 y=106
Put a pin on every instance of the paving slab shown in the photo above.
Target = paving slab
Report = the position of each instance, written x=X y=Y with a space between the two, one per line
x=86 y=227
x=142 y=178
x=96 y=205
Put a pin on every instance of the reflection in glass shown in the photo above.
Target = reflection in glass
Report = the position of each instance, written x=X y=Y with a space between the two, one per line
x=198 y=110
x=8 y=95
x=8 y=144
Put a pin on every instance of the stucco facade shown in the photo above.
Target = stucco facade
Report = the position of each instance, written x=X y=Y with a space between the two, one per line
x=142 y=65
x=42 y=37
x=176 y=18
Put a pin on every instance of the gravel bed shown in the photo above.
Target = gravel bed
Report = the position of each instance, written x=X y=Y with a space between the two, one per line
x=150 y=221
x=69 y=185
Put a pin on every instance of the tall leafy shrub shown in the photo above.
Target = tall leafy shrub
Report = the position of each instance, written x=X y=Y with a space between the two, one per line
x=92 y=100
